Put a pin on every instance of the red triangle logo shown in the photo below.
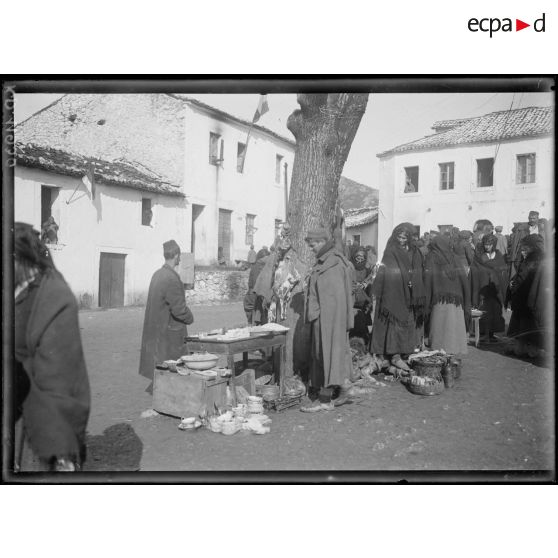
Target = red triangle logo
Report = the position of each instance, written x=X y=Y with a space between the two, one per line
x=519 y=25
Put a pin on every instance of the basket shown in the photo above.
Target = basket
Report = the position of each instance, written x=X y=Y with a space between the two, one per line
x=269 y=393
x=433 y=389
x=424 y=368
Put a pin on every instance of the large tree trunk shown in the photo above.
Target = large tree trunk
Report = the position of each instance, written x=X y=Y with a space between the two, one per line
x=324 y=128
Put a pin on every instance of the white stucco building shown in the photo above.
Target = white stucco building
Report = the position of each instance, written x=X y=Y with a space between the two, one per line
x=498 y=167
x=167 y=156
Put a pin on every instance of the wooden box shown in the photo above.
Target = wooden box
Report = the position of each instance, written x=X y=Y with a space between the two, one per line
x=185 y=396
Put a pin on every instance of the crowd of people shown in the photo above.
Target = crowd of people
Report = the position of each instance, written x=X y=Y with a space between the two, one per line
x=422 y=294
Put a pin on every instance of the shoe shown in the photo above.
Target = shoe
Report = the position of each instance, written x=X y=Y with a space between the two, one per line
x=398 y=362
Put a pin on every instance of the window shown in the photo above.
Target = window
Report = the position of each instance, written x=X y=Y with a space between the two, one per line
x=485 y=172
x=250 y=229
x=216 y=155
x=278 y=224
x=240 y=154
x=525 y=171
x=446 y=176
x=278 y=161
x=146 y=212
x=411 y=179
x=356 y=239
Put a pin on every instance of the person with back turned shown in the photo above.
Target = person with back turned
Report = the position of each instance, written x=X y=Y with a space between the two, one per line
x=166 y=315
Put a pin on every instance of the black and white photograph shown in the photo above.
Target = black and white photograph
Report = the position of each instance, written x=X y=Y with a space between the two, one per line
x=262 y=280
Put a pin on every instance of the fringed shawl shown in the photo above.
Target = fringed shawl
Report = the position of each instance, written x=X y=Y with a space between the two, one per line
x=445 y=280
x=399 y=285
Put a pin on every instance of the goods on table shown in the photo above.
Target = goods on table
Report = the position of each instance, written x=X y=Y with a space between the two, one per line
x=200 y=361
x=271 y=326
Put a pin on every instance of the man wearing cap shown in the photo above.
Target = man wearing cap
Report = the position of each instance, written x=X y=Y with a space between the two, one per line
x=501 y=241
x=329 y=310
x=166 y=314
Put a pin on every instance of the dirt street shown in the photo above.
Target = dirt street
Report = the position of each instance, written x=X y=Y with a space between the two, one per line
x=499 y=416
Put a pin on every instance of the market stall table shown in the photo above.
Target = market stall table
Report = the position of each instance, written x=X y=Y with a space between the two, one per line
x=276 y=340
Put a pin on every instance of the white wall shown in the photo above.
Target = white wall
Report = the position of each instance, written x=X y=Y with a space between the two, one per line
x=504 y=203
x=222 y=187
x=110 y=223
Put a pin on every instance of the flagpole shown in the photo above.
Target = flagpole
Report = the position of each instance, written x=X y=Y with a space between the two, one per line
x=246 y=147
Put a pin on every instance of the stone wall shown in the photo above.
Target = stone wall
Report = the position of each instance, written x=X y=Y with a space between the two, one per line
x=214 y=286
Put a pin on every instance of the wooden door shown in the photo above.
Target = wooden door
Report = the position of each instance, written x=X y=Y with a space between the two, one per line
x=224 y=236
x=111 y=279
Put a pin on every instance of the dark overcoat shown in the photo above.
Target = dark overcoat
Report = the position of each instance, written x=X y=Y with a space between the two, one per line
x=52 y=388
x=330 y=311
x=166 y=317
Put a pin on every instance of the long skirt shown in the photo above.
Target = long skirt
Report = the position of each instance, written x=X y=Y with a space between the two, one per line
x=447 y=329
x=389 y=338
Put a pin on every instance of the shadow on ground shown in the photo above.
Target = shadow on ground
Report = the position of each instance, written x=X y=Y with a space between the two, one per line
x=118 y=448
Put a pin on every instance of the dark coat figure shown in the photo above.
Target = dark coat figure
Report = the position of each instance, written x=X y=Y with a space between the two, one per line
x=400 y=297
x=489 y=284
x=329 y=311
x=527 y=296
x=51 y=383
x=166 y=317
x=253 y=306
x=519 y=232
x=447 y=298
x=362 y=291
x=464 y=251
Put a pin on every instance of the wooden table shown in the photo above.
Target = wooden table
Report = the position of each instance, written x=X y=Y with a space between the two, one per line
x=276 y=340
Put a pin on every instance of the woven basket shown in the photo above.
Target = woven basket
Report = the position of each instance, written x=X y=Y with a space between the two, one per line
x=424 y=369
x=434 y=389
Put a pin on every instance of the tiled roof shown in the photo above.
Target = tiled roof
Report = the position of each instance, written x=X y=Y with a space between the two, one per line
x=226 y=115
x=360 y=216
x=119 y=172
x=493 y=127
x=443 y=125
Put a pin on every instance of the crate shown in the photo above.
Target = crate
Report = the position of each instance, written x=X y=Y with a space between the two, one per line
x=186 y=396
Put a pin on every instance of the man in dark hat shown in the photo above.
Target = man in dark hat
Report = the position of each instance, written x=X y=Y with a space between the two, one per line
x=166 y=314
x=329 y=310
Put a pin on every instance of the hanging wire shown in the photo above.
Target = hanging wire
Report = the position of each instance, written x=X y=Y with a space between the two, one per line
x=502 y=134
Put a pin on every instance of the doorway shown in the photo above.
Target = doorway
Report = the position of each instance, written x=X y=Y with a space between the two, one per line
x=196 y=212
x=224 y=235
x=111 y=279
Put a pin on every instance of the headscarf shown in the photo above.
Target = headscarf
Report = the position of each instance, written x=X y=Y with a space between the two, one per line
x=399 y=268
x=262 y=254
x=443 y=256
x=535 y=242
x=359 y=265
x=30 y=251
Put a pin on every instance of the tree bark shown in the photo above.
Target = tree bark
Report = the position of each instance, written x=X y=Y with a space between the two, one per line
x=324 y=128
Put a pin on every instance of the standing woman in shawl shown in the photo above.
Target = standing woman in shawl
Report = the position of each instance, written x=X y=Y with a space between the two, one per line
x=400 y=298
x=447 y=296
x=527 y=306
x=362 y=279
x=488 y=286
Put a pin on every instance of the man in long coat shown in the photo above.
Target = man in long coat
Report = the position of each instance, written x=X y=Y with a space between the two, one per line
x=166 y=314
x=329 y=310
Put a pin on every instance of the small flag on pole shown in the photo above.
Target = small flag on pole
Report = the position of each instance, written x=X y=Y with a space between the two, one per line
x=262 y=108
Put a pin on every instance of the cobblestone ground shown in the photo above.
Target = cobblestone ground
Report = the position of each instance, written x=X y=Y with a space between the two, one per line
x=499 y=416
